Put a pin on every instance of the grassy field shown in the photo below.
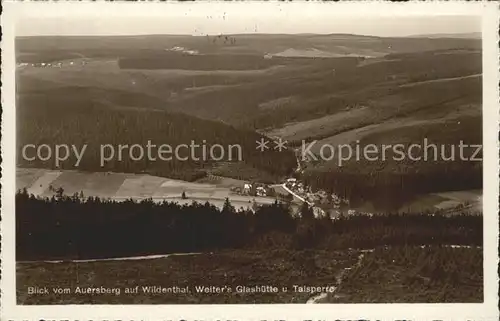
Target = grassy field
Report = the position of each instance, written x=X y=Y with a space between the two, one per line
x=120 y=186
x=214 y=189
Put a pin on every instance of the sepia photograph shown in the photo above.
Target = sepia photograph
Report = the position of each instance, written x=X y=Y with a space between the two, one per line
x=218 y=158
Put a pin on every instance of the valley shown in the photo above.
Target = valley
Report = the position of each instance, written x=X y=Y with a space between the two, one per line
x=263 y=217
x=338 y=96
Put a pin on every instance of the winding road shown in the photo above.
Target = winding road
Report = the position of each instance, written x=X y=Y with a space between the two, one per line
x=319 y=298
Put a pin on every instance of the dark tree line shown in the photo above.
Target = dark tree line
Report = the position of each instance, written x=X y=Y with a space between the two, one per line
x=66 y=227
x=167 y=60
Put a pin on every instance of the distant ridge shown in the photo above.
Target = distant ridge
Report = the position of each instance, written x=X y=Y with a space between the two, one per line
x=470 y=35
x=250 y=34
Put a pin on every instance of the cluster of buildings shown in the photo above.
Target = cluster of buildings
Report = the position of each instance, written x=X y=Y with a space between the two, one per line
x=249 y=189
x=314 y=197
x=252 y=189
x=332 y=201
x=322 y=203
x=301 y=190
x=295 y=185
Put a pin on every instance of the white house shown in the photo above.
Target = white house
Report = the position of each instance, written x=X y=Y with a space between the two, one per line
x=318 y=212
x=261 y=191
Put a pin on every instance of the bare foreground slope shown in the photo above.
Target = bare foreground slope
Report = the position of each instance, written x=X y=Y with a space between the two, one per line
x=241 y=277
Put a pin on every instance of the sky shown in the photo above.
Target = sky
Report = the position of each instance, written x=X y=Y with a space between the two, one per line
x=227 y=20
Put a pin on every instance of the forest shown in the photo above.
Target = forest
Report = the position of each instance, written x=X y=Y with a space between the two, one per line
x=390 y=183
x=75 y=227
x=390 y=190
x=169 y=60
x=48 y=120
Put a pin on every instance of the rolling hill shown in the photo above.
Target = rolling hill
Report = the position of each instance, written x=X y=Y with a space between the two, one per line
x=332 y=88
x=116 y=220
x=94 y=117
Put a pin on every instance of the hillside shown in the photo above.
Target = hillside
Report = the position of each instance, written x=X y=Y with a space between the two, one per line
x=279 y=92
x=224 y=84
x=382 y=277
x=94 y=117
x=143 y=244
x=335 y=89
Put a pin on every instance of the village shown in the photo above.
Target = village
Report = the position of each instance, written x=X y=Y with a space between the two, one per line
x=254 y=189
x=322 y=203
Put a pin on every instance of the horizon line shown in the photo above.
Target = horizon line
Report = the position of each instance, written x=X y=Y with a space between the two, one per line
x=444 y=35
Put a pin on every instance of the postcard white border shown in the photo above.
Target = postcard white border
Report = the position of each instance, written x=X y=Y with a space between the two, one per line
x=14 y=12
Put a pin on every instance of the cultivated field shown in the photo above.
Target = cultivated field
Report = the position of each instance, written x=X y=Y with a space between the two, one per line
x=120 y=186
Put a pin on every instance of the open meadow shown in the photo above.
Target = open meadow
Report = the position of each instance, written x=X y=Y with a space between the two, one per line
x=120 y=187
